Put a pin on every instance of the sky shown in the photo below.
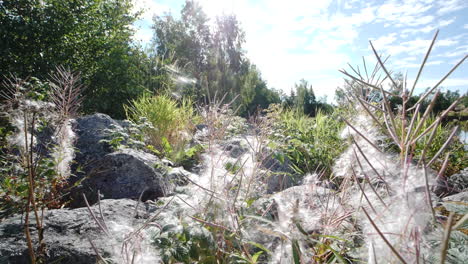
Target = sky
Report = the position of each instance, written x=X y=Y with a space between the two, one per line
x=313 y=39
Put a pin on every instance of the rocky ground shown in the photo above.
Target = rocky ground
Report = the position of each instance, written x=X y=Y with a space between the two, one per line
x=131 y=182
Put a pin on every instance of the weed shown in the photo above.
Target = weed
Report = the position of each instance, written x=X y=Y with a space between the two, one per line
x=310 y=143
x=171 y=121
x=396 y=214
x=35 y=169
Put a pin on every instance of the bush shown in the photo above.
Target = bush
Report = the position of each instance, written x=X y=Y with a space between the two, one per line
x=457 y=159
x=310 y=143
x=172 y=122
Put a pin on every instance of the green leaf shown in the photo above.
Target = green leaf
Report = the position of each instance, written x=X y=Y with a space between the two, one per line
x=296 y=251
x=167 y=228
x=256 y=256
x=255 y=244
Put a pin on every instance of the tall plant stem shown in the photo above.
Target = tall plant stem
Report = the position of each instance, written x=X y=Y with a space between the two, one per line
x=27 y=232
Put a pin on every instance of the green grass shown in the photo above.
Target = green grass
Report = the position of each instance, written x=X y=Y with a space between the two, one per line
x=172 y=121
x=311 y=144
x=457 y=159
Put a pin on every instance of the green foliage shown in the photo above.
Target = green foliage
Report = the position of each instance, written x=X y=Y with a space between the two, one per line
x=296 y=252
x=90 y=36
x=130 y=136
x=457 y=158
x=309 y=143
x=232 y=167
x=189 y=157
x=442 y=102
x=456 y=251
x=171 y=122
x=197 y=244
x=185 y=244
x=303 y=99
x=21 y=156
x=214 y=57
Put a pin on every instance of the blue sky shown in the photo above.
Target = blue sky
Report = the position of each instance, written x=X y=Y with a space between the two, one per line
x=313 y=39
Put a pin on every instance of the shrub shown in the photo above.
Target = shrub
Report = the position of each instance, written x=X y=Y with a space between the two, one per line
x=456 y=161
x=310 y=143
x=172 y=122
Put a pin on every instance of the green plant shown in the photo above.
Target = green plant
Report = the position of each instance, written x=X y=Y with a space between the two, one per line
x=30 y=178
x=185 y=244
x=419 y=143
x=232 y=167
x=188 y=157
x=171 y=122
x=130 y=135
x=429 y=145
x=309 y=143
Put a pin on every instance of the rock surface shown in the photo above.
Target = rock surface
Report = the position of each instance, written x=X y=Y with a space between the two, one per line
x=116 y=174
x=454 y=184
x=90 y=131
x=281 y=176
x=126 y=173
x=235 y=147
x=66 y=233
x=459 y=197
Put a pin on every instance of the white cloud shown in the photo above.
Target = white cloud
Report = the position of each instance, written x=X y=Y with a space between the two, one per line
x=458 y=52
x=384 y=40
x=308 y=39
x=457 y=83
x=428 y=28
x=404 y=13
x=446 y=42
x=414 y=47
x=449 y=6
x=446 y=22
x=405 y=65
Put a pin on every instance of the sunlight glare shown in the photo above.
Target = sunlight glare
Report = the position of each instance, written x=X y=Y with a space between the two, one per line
x=215 y=8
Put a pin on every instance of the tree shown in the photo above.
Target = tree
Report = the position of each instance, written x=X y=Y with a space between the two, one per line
x=213 y=55
x=303 y=98
x=90 y=36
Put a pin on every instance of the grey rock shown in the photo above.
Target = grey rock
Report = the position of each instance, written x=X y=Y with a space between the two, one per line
x=167 y=162
x=126 y=173
x=201 y=127
x=201 y=134
x=179 y=176
x=267 y=208
x=236 y=147
x=90 y=131
x=281 y=176
x=459 y=197
x=452 y=185
x=66 y=233
x=278 y=181
x=317 y=180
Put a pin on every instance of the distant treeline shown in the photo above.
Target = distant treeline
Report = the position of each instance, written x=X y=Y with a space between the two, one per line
x=191 y=55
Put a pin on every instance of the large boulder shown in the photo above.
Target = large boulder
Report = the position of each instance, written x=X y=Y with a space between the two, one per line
x=68 y=232
x=116 y=174
x=91 y=131
x=126 y=173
